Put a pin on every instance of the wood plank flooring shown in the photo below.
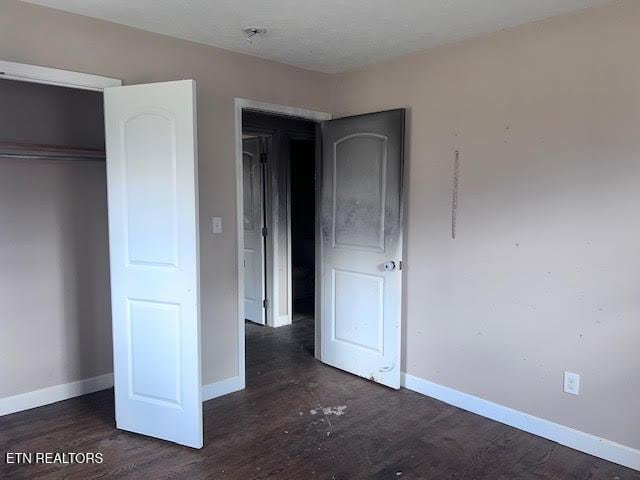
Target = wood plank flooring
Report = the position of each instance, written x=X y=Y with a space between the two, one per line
x=277 y=429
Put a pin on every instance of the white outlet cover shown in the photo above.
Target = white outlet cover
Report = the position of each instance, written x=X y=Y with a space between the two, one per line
x=572 y=383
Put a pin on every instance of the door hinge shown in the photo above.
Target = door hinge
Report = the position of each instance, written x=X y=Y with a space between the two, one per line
x=265 y=232
x=400 y=265
x=265 y=303
x=263 y=157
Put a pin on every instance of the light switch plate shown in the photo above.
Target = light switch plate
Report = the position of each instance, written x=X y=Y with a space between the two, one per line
x=572 y=383
x=216 y=224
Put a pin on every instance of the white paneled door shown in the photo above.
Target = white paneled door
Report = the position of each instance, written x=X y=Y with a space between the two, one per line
x=361 y=244
x=254 y=282
x=153 y=238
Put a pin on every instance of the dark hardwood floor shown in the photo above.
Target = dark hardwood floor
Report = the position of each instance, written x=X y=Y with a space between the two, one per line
x=277 y=428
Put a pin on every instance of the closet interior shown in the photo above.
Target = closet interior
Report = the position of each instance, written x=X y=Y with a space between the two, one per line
x=54 y=256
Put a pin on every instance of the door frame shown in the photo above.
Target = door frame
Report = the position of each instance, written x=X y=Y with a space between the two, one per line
x=239 y=105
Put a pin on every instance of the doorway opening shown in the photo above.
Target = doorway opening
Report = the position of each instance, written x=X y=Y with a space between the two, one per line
x=357 y=242
x=279 y=219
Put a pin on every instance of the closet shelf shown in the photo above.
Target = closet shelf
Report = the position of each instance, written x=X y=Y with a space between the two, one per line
x=51 y=152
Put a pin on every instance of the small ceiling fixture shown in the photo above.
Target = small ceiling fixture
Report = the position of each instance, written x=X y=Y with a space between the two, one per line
x=252 y=32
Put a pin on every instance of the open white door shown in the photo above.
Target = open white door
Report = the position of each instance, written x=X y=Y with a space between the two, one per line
x=153 y=244
x=361 y=244
x=252 y=183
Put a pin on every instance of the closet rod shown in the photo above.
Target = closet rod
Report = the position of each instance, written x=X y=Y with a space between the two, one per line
x=49 y=152
x=26 y=156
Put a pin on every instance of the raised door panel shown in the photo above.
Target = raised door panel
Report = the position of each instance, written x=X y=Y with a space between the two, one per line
x=358 y=304
x=154 y=343
x=359 y=199
x=149 y=159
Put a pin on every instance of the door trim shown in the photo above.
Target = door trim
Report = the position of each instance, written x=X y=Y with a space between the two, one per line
x=239 y=105
x=53 y=76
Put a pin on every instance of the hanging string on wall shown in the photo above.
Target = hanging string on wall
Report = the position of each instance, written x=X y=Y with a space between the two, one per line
x=454 y=201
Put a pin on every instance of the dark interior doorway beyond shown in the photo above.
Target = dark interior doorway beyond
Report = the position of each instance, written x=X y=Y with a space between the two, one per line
x=303 y=207
x=289 y=212
x=298 y=419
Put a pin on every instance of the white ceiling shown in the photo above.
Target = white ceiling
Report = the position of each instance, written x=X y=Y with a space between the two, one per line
x=324 y=35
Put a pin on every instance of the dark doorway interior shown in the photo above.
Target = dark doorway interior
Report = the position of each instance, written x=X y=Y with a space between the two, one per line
x=290 y=189
x=303 y=207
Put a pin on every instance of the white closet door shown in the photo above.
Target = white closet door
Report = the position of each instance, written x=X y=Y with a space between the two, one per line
x=153 y=237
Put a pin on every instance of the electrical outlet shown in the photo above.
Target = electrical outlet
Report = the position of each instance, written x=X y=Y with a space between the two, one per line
x=572 y=383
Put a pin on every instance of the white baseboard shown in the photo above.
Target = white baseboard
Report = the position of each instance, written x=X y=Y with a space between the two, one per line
x=569 y=437
x=223 y=387
x=57 y=393
x=45 y=396
x=281 y=320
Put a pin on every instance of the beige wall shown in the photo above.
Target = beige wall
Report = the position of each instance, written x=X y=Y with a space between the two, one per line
x=46 y=114
x=54 y=274
x=41 y=36
x=545 y=273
